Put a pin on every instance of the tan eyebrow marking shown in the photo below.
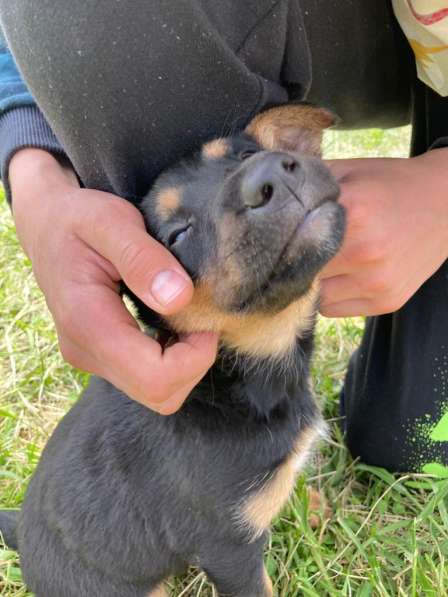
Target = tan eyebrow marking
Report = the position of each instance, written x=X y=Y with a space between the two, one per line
x=216 y=149
x=168 y=201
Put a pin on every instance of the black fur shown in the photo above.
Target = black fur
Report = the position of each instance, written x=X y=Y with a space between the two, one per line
x=8 y=527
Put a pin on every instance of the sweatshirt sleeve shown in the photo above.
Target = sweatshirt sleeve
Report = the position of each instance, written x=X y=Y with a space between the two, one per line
x=22 y=124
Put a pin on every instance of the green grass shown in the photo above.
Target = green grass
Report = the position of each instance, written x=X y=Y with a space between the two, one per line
x=387 y=536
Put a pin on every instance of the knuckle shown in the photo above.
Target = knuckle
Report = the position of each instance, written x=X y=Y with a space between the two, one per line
x=154 y=392
x=379 y=285
x=191 y=366
x=119 y=211
x=123 y=209
x=369 y=252
x=398 y=300
x=134 y=259
x=390 y=303
x=210 y=361
x=66 y=323
x=383 y=307
x=69 y=353
x=105 y=216
x=71 y=331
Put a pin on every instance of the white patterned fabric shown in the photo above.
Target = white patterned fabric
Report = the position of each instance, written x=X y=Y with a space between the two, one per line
x=425 y=24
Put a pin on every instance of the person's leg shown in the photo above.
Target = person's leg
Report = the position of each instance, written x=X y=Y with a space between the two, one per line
x=396 y=390
x=129 y=88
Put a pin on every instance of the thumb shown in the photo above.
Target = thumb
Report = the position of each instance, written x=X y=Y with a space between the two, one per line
x=117 y=232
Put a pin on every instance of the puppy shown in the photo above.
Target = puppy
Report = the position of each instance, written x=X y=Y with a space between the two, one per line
x=123 y=497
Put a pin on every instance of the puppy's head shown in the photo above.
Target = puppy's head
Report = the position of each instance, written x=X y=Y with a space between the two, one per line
x=252 y=218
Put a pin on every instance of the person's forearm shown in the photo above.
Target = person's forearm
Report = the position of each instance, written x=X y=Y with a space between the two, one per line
x=13 y=91
x=21 y=122
x=40 y=166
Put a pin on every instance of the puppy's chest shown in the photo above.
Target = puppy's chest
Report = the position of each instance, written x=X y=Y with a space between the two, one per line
x=267 y=494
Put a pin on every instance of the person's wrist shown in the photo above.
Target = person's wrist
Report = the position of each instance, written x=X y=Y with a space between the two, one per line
x=437 y=160
x=35 y=171
x=36 y=179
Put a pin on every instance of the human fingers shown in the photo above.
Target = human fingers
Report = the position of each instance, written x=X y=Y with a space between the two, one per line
x=133 y=362
x=115 y=229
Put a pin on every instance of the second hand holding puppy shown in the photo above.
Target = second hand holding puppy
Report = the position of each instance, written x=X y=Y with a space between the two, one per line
x=397 y=232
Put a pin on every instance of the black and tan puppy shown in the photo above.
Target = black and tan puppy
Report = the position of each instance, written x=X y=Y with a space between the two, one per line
x=123 y=497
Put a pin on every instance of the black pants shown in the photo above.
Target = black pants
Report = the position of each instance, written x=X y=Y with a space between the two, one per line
x=130 y=87
x=396 y=389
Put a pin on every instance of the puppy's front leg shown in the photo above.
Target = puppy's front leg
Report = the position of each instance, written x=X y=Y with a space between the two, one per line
x=238 y=570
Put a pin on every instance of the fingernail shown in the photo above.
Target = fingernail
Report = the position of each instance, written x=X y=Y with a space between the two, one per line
x=166 y=286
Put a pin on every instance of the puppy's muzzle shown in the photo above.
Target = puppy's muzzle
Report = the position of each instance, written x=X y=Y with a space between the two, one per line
x=271 y=180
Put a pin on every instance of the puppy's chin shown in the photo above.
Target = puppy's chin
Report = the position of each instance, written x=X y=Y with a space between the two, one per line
x=316 y=240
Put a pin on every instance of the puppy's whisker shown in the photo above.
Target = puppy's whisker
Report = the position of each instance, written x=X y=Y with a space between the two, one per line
x=224 y=130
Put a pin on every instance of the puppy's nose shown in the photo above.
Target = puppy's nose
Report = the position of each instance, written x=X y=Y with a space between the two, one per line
x=271 y=177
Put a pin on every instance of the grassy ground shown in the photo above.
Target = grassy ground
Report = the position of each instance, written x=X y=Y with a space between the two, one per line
x=388 y=535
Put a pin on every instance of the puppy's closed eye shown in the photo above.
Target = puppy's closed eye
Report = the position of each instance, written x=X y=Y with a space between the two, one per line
x=178 y=235
x=247 y=153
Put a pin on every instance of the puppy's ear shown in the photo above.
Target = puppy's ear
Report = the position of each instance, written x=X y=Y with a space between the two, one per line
x=296 y=128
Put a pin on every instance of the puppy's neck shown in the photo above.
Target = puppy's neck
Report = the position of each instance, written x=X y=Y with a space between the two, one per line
x=262 y=388
x=266 y=337
x=251 y=337
x=263 y=360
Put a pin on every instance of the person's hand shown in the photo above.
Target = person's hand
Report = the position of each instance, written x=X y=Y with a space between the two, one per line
x=81 y=244
x=397 y=232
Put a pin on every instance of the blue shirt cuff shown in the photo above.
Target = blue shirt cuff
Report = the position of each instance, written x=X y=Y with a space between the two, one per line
x=22 y=127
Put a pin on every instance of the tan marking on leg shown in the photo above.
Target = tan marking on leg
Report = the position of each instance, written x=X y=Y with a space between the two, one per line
x=291 y=128
x=216 y=149
x=318 y=508
x=257 y=511
x=269 y=591
x=159 y=591
x=258 y=335
x=168 y=201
